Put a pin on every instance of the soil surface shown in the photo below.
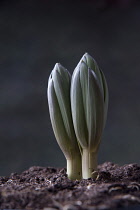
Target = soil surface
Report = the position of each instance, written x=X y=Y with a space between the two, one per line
x=50 y=189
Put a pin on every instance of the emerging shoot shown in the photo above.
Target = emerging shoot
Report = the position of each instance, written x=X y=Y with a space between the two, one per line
x=78 y=112
x=61 y=119
x=89 y=103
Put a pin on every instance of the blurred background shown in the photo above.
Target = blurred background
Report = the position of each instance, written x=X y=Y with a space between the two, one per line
x=37 y=34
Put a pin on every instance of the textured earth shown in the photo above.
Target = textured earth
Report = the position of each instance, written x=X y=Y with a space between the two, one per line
x=50 y=189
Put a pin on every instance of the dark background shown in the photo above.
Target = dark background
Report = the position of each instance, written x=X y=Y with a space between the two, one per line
x=34 y=35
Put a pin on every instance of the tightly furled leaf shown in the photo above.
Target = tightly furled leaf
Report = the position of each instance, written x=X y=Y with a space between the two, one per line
x=89 y=103
x=87 y=107
x=92 y=64
x=60 y=114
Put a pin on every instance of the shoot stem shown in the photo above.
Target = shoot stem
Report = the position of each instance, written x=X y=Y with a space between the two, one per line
x=89 y=164
x=74 y=169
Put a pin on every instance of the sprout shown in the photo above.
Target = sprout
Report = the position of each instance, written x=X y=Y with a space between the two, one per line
x=61 y=119
x=92 y=64
x=78 y=112
x=89 y=103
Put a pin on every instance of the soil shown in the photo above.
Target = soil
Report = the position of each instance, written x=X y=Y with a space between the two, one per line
x=50 y=189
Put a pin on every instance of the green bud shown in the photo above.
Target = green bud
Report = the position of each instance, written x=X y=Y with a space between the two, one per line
x=61 y=118
x=89 y=99
x=92 y=64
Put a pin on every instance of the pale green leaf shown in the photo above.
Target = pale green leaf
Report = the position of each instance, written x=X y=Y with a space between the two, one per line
x=96 y=98
x=62 y=89
x=78 y=109
x=92 y=64
x=106 y=97
x=57 y=121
